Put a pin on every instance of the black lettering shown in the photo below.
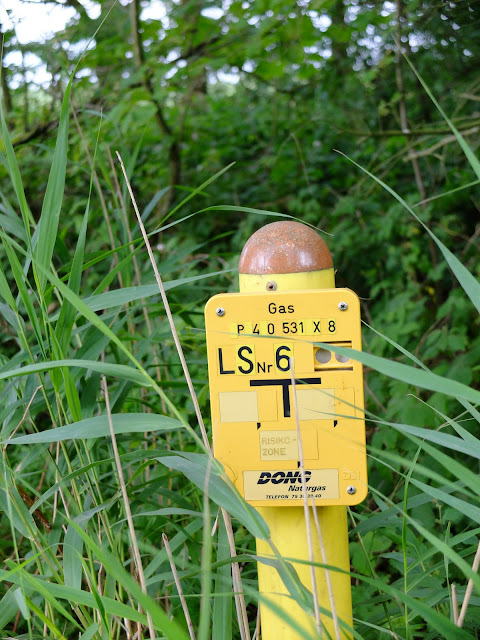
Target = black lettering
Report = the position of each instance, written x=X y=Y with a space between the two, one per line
x=281 y=356
x=261 y=367
x=269 y=368
x=264 y=477
x=242 y=357
x=240 y=328
x=281 y=309
x=290 y=308
x=272 y=308
x=278 y=477
x=223 y=372
x=316 y=326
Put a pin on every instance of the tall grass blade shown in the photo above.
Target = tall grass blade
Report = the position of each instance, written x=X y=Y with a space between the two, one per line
x=15 y=177
x=115 y=568
x=194 y=466
x=78 y=596
x=98 y=427
x=121 y=371
x=46 y=233
x=222 y=600
x=410 y=375
x=469 y=283
x=470 y=155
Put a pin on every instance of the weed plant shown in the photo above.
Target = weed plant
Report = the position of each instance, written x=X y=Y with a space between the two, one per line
x=116 y=521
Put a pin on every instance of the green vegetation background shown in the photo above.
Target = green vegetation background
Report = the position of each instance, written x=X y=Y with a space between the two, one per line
x=278 y=89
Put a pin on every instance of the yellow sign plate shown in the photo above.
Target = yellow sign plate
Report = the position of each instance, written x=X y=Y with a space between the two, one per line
x=253 y=341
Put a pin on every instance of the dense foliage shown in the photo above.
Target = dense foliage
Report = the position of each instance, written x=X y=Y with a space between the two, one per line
x=300 y=96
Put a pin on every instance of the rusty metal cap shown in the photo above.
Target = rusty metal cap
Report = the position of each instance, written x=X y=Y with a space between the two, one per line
x=284 y=247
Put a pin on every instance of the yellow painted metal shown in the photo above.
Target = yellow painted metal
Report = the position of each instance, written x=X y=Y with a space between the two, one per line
x=287 y=525
x=249 y=347
x=288 y=530
x=320 y=279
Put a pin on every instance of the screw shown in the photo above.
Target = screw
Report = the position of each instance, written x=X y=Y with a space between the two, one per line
x=220 y=311
x=271 y=286
x=343 y=306
x=351 y=490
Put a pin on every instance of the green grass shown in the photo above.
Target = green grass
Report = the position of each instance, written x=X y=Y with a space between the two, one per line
x=68 y=567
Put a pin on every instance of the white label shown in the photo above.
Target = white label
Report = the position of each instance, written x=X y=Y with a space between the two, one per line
x=274 y=485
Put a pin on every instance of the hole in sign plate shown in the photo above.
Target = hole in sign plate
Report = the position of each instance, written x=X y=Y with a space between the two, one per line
x=341 y=358
x=323 y=356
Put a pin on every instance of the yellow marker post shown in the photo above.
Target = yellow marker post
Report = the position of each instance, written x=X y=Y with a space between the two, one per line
x=287 y=302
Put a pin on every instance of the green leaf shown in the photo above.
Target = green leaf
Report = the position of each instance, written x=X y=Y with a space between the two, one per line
x=15 y=175
x=118 y=297
x=14 y=509
x=74 y=596
x=46 y=232
x=41 y=587
x=115 y=568
x=121 y=371
x=469 y=283
x=98 y=427
x=195 y=465
x=73 y=547
x=8 y=606
x=443 y=439
x=468 y=151
x=93 y=628
x=222 y=601
x=459 y=505
x=410 y=375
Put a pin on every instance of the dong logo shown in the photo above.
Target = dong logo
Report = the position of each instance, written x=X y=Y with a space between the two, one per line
x=285 y=477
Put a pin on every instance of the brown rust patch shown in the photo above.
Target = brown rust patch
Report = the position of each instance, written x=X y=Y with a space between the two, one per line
x=284 y=247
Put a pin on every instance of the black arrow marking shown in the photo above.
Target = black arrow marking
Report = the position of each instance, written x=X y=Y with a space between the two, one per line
x=298 y=464
x=258 y=425
x=285 y=383
x=335 y=422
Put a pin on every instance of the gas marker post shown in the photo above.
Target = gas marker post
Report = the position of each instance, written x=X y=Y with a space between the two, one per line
x=287 y=303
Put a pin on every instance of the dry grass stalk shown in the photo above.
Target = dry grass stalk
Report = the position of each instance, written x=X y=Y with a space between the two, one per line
x=308 y=526
x=128 y=512
x=469 y=589
x=98 y=188
x=455 y=604
x=24 y=417
x=328 y=579
x=168 y=312
x=179 y=587
x=256 y=634
x=237 y=582
x=136 y=268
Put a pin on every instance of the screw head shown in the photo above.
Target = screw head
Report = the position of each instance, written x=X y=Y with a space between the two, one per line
x=271 y=286
x=343 y=306
x=351 y=490
x=220 y=311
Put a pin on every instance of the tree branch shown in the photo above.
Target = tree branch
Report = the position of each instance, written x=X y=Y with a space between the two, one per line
x=174 y=157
